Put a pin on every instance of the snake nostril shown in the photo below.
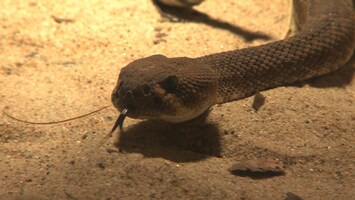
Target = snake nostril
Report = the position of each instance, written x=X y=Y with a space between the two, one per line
x=115 y=95
x=121 y=91
x=120 y=84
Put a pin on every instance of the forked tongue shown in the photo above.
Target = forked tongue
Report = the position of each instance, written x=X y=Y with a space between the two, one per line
x=118 y=123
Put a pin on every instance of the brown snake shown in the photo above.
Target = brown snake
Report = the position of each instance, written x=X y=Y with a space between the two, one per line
x=180 y=89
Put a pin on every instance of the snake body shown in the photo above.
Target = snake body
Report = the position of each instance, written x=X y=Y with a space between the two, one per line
x=182 y=88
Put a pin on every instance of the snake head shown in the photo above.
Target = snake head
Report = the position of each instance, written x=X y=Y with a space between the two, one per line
x=170 y=89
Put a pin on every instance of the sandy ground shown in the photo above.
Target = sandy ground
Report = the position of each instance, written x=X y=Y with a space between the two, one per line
x=52 y=69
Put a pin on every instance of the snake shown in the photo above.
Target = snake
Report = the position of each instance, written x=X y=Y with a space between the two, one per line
x=178 y=89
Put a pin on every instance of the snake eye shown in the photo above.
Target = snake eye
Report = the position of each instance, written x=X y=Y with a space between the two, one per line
x=157 y=100
x=146 y=90
x=170 y=83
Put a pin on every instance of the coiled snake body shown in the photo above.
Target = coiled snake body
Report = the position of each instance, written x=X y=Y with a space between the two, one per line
x=180 y=89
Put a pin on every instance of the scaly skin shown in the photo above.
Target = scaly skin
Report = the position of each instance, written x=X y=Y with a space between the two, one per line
x=180 y=89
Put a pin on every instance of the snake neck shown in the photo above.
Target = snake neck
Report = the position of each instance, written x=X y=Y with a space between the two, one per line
x=324 y=44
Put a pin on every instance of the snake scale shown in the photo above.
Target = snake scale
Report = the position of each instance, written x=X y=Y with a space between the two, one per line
x=182 y=88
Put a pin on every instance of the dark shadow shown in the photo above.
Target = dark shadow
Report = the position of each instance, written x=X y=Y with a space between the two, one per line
x=175 y=14
x=339 y=78
x=257 y=175
x=184 y=142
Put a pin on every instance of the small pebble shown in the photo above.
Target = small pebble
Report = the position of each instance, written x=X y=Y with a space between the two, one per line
x=112 y=150
x=101 y=165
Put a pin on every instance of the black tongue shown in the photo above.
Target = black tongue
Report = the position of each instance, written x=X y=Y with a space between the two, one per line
x=119 y=121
